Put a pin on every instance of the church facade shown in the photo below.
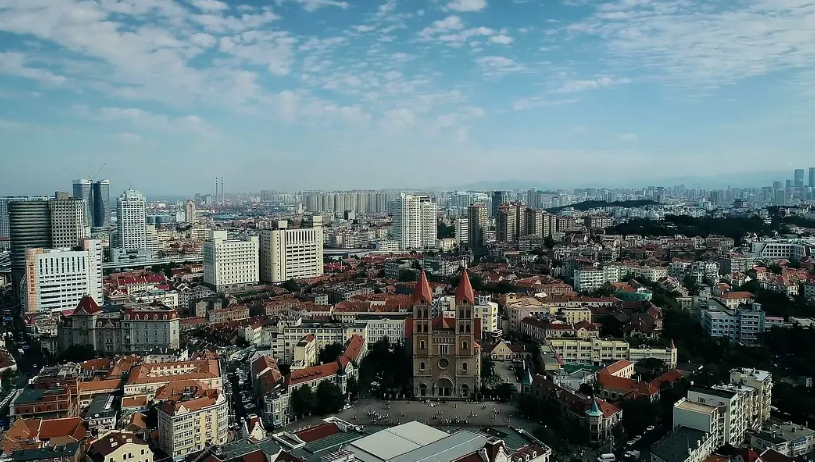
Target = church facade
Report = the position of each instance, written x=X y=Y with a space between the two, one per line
x=446 y=353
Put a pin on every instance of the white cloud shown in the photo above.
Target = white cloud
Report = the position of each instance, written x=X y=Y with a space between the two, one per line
x=703 y=45
x=501 y=39
x=632 y=137
x=312 y=5
x=499 y=65
x=467 y=5
x=148 y=120
x=536 y=101
x=451 y=30
x=12 y=63
x=573 y=86
x=210 y=5
x=442 y=26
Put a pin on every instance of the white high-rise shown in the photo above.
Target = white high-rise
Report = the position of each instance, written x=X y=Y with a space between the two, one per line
x=462 y=230
x=57 y=279
x=69 y=225
x=414 y=222
x=292 y=253
x=131 y=221
x=230 y=263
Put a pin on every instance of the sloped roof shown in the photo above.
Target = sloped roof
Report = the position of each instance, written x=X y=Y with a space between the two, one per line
x=422 y=291
x=464 y=291
x=87 y=306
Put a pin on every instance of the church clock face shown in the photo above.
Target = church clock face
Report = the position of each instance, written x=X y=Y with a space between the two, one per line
x=443 y=363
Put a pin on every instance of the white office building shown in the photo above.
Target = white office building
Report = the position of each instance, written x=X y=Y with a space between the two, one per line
x=414 y=222
x=462 y=230
x=68 y=223
x=782 y=249
x=586 y=279
x=56 y=280
x=230 y=263
x=131 y=221
x=295 y=253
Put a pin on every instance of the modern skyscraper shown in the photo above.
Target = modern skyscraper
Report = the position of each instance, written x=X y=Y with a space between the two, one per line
x=68 y=224
x=101 y=204
x=131 y=221
x=83 y=189
x=478 y=223
x=777 y=185
x=812 y=177
x=498 y=199
x=56 y=280
x=189 y=211
x=414 y=222
x=799 y=178
x=462 y=231
x=29 y=227
x=230 y=263
x=292 y=253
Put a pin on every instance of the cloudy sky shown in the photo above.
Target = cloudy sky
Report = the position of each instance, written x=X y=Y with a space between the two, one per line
x=296 y=94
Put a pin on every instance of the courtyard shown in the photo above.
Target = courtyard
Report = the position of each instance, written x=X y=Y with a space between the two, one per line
x=450 y=414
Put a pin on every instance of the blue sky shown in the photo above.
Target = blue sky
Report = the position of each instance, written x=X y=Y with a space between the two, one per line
x=297 y=94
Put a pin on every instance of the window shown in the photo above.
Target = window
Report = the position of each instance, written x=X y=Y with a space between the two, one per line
x=421 y=366
x=421 y=345
x=464 y=345
x=464 y=367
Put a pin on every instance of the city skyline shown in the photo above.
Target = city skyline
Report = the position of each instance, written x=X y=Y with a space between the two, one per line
x=328 y=94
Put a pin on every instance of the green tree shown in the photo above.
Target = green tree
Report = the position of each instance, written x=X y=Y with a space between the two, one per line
x=407 y=276
x=548 y=242
x=330 y=353
x=444 y=231
x=329 y=398
x=77 y=353
x=292 y=286
x=303 y=401
x=639 y=414
x=504 y=391
x=8 y=378
x=488 y=375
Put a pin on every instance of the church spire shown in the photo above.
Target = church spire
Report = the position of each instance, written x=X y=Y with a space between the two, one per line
x=422 y=291
x=464 y=291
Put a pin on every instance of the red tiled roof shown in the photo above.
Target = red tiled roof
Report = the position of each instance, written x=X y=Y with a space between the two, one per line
x=736 y=295
x=313 y=373
x=87 y=306
x=616 y=367
x=318 y=432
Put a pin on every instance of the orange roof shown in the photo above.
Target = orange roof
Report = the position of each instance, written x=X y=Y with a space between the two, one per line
x=134 y=401
x=422 y=291
x=208 y=398
x=353 y=349
x=734 y=295
x=99 y=385
x=313 y=373
x=166 y=372
x=615 y=367
x=318 y=432
x=175 y=390
x=464 y=291
x=23 y=431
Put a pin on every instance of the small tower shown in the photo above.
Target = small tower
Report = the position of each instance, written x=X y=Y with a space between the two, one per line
x=594 y=416
x=422 y=301
x=468 y=376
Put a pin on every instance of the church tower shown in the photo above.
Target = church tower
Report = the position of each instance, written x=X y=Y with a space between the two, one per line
x=468 y=361
x=422 y=301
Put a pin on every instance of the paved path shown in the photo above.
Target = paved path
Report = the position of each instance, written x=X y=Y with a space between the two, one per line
x=440 y=414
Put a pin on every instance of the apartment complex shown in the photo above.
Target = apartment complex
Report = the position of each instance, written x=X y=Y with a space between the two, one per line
x=742 y=325
x=292 y=253
x=57 y=280
x=588 y=279
x=194 y=419
x=119 y=329
x=414 y=222
x=599 y=351
x=230 y=263
x=510 y=222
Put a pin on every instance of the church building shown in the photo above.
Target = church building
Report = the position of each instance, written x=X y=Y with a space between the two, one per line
x=446 y=355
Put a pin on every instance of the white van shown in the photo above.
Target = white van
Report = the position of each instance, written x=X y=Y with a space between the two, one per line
x=607 y=458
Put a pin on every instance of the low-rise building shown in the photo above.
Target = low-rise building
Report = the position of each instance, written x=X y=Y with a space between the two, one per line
x=119 y=446
x=683 y=444
x=742 y=325
x=101 y=414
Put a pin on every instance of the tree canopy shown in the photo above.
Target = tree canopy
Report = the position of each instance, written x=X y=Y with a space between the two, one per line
x=330 y=353
x=303 y=401
x=329 y=398
x=78 y=353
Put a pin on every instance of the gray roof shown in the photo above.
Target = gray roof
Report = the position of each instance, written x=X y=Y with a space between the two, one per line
x=393 y=442
x=416 y=442
x=240 y=448
x=46 y=453
x=102 y=406
x=674 y=447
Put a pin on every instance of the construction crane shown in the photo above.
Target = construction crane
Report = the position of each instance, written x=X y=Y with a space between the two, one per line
x=93 y=177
